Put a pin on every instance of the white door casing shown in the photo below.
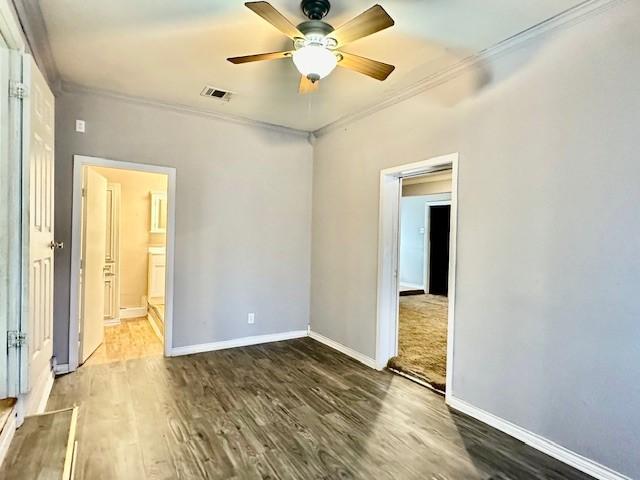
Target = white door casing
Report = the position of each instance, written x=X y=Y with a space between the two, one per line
x=38 y=229
x=112 y=256
x=93 y=265
x=388 y=256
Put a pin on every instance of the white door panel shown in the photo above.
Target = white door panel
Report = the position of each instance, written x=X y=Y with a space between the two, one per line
x=38 y=208
x=93 y=262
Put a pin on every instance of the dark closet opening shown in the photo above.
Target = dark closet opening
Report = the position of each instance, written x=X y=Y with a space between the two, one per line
x=439 y=226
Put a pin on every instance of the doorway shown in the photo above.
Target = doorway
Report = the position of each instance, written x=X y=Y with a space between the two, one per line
x=122 y=261
x=425 y=211
x=416 y=291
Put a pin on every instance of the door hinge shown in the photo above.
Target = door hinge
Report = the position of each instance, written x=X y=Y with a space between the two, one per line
x=84 y=192
x=16 y=339
x=17 y=90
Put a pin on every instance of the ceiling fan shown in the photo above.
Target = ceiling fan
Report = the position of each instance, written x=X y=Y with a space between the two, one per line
x=317 y=46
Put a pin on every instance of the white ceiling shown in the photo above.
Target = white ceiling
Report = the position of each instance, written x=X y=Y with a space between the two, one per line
x=167 y=50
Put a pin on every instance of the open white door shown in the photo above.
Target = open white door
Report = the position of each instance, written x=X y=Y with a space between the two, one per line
x=93 y=262
x=112 y=258
x=7 y=179
x=38 y=242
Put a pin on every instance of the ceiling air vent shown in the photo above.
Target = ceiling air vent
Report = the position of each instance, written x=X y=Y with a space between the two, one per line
x=216 y=93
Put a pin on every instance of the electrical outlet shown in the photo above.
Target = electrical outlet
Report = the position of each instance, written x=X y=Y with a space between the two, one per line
x=251 y=318
x=80 y=126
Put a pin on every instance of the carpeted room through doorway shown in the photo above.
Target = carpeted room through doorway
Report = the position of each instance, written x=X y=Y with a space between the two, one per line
x=422 y=338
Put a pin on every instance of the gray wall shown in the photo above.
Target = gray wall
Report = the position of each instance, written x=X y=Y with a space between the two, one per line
x=547 y=311
x=243 y=208
x=413 y=237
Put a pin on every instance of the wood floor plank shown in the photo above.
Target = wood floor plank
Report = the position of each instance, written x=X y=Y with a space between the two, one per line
x=287 y=410
x=39 y=448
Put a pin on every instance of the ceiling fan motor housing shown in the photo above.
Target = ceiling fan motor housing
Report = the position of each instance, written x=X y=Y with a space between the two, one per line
x=315 y=9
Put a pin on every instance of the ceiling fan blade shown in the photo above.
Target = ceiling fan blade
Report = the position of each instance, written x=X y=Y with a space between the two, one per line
x=259 y=57
x=275 y=18
x=307 y=86
x=373 y=68
x=365 y=24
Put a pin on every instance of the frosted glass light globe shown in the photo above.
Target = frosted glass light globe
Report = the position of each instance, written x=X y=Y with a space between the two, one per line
x=314 y=62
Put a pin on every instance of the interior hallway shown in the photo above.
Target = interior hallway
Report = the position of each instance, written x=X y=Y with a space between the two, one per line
x=286 y=410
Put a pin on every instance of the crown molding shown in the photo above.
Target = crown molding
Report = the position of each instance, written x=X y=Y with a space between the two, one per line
x=73 y=88
x=32 y=22
x=566 y=19
x=35 y=31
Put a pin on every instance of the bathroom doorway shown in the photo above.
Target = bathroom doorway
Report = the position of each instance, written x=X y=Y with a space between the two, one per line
x=121 y=268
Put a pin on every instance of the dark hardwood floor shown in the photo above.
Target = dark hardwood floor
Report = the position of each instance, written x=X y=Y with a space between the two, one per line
x=286 y=410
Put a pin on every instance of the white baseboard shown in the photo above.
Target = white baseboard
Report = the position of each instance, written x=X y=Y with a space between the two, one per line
x=536 y=441
x=46 y=391
x=154 y=325
x=7 y=433
x=61 y=369
x=238 y=342
x=35 y=401
x=411 y=286
x=369 y=362
x=112 y=322
x=133 y=312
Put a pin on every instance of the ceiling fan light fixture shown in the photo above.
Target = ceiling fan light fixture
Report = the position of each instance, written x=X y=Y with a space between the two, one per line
x=314 y=61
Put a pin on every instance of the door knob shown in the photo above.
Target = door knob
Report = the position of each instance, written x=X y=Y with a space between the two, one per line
x=56 y=245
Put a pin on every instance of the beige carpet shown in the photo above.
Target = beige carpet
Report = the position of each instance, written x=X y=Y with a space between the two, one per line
x=422 y=342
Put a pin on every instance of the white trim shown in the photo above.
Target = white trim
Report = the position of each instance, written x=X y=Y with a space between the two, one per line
x=35 y=402
x=61 y=369
x=237 y=342
x=412 y=286
x=112 y=322
x=71 y=443
x=10 y=30
x=154 y=325
x=132 y=312
x=566 y=19
x=7 y=433
x=388 y=256
x=79 y=162
x=44 y=397
x=536 y=441
x=72 y=88
x=368 y=361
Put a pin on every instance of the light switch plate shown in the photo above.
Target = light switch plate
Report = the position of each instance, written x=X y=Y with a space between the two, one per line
x=80 y=126
x=251 y=318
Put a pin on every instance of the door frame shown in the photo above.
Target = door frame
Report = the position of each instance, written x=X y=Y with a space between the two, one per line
x=389 y=253
x=427 y=239
x=11 y=212
x=79 y=162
